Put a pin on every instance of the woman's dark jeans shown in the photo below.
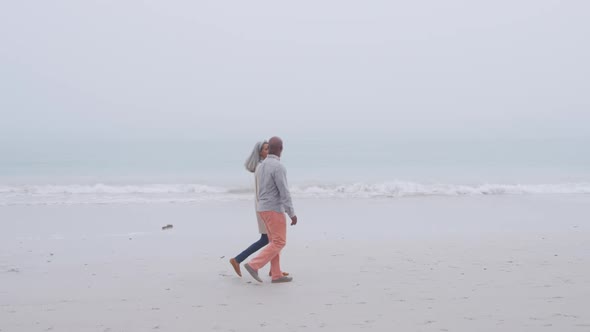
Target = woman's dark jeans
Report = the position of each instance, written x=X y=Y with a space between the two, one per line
x=253 y=248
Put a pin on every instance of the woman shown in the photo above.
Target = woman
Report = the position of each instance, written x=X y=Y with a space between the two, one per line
x=258 y=154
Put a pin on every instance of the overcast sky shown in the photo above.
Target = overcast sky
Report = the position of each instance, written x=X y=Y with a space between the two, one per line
x=193 y=69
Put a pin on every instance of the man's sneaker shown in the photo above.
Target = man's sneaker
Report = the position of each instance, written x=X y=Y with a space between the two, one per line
x=252 y=272
x=282 y=279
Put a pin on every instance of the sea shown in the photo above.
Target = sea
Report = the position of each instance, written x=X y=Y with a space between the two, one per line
x=121 y=171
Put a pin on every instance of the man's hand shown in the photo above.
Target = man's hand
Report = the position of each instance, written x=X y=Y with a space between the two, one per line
x=293 y=220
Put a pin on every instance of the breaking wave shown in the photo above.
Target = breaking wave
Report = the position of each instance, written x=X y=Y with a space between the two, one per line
x=181 y=193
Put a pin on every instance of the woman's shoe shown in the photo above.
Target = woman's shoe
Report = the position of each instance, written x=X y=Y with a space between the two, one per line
x=284 y=274
x=234 y=263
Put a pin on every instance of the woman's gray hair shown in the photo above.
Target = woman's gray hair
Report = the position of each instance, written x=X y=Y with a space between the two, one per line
x=254 y=158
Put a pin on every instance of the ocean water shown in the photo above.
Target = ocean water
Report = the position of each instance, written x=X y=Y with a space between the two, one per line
x=137 y=171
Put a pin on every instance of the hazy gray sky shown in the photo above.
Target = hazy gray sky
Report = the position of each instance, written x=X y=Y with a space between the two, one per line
x=256 y=68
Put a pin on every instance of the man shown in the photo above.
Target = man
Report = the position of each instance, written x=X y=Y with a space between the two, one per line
x=274 y=200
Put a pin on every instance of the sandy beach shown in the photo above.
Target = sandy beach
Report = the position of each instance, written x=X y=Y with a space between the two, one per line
x=434 y=151
x=486 y=263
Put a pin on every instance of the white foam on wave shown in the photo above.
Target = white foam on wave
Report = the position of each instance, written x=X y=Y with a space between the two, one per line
x=401 y=189
x=110 y=189
x=186 y=193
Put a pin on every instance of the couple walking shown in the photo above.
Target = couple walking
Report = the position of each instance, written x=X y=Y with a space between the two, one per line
x=273 y=200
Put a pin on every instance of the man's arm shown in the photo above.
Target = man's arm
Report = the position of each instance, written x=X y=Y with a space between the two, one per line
x=285 y=195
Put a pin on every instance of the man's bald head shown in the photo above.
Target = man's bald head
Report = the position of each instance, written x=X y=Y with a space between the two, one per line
x=275 y=146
